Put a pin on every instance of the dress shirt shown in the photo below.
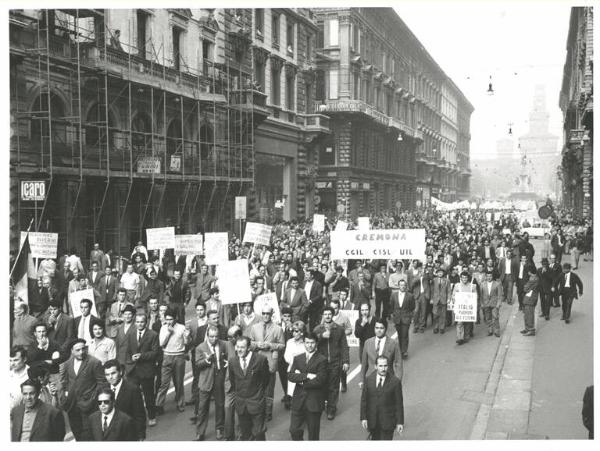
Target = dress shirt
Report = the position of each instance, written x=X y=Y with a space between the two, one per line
x=103 y=349
x=215 y=351
x=176 y=344
x=521 y=269
x=15 y=380
x=292 y=294
x=109 y=416
x=381 y=281
x=309 y=356
x=394 y=280
x=126 y=327
x=308 y=288
x=84 y=329
x=507 y=266
x=246 y=360
x=568 y=280
x=107 y=283
x=489 y=285
x=117 y=388
x=28 y=420
x=381 y=345
x=401 y=298
x=380 y=381
x=421 y=282
x=130 y=281
x=292 y=349
x=76 y=365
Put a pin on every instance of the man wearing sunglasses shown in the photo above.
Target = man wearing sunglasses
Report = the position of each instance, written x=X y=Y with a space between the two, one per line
x=110 y=424
x=267 y=339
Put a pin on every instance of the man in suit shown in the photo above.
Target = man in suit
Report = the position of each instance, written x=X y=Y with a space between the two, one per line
x=309 y=373
x=60 y=325
x=124 y=331
x=195 y=323
x=141 y=362
x=360 y=291
x=486 y=251
x=421 y=290
x=249 y=377
x=491 y=299
x=154 y=288
x=128 y=397
x=557 y=242
x=179 y=295
x=530 y=297
x=403 y=307
x=546 y=278
x=267 y=339
x=109 y=423
x=94 y=276
x=440 y=292
x=334 y=346
x=107 y=288
x=568 y=286
x=34 y=420
x=211 y=358
x=61 y=282
x=295 y=298
x=339 y=283
x=114 y=318
x=381 y=403
x=522 y=278
x=82 y=322
x=81 y=375
x=556 y=271
x=380 y=345
x=508 y=269
x=97 y=256
x=23 y=326
x=314 y=293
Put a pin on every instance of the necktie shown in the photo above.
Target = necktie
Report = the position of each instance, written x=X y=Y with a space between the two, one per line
x=214 y=350
x=307 y=358
x=105 y=424
x=244 y=366
x=82 y=327
x=378 y=345
x=139 y=336
x=380 y=382
x=265 y=331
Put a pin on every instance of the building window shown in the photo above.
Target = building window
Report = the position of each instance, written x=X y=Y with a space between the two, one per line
x=289 y=37
x=355 y=38
x=207 y=56
x=356 y=86
x=327 y=155
x=259 y=75
x=309 y=107
x=275 y=30
x=309 y=47
x=259 y=22
x=333 y=83
x=334 y=32
x=176 y=48
x=275 y=86
x=290 y=91
x=320 y=86
x=142 y=19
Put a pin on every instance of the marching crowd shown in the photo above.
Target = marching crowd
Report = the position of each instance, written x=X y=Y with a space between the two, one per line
x=104 y=366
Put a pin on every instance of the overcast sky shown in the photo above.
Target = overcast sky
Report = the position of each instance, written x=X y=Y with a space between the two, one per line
x=518 y=44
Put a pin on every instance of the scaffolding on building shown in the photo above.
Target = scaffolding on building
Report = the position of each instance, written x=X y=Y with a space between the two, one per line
x=186 y=130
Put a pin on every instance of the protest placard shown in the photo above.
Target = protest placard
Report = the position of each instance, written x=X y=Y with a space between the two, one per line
x=257 y=233
x=318 y=223
x=341 y=226
x=269 y=300
x=240 y=207
x=465 y=306
x=535 y=232
x=188 y=245
x=363 y=224
x=161 y=238
x=265 y=259
x=233 y=280
x=75 y=300
x=378 y=244
x=216 y=249
x=352 y=315
x=506 y=232
x=43 y=245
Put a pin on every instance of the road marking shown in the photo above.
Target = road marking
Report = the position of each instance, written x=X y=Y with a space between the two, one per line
x=354 y=373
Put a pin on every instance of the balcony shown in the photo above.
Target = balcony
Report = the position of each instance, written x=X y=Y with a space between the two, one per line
x=316 y=123
x=576 y=137
x=250 y=99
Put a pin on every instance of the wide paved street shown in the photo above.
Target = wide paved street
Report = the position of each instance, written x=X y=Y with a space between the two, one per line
x=450 y=390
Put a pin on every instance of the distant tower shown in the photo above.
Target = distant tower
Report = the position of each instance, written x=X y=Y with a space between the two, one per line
x=539 y=145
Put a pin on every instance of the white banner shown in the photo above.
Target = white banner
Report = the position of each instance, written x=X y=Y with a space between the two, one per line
x=233 y=280
x=341 y=226
x=535 y=231
x=318 y=223
x=240 y=207
x=257 y=233
x=352 y=315
x=363 y=224
x=216 y=250
x=465 y=307
x=379 y=244
x=43 y=245
x=270 y=300
x=75 y=299
x=188 y=245
x=161 y=238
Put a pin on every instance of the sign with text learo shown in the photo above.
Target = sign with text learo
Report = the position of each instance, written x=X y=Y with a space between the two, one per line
x=378 y=244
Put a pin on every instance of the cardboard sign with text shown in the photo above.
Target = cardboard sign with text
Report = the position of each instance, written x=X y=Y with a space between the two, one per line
x=75 y=301
x=161 y=238
x=258 y=233
x=352 y=315
x=216 y=250
x=465 y=307
x=318 y=223
x=270 y=300
x=43 y=245
x=233 y=280
x=341 y=226
x=188 y=245
x=378 y=244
